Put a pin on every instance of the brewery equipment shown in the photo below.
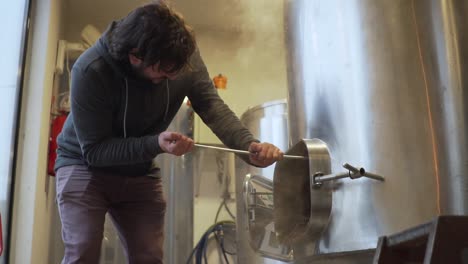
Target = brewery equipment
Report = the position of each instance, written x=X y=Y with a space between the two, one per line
x=381 y=83
x=256 y=235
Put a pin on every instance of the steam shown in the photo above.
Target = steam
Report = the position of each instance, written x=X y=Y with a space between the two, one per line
x=261 y=52
x=261 y=22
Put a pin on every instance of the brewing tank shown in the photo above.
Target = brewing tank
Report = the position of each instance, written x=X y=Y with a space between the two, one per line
x=254 y=192
x=383 y=84
x=177 y=176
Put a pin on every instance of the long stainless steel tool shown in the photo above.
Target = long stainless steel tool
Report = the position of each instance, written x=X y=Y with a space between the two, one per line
x=245 y=152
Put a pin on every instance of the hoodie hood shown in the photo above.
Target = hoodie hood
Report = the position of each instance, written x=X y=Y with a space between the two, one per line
x=102 y=46
x=122 y=68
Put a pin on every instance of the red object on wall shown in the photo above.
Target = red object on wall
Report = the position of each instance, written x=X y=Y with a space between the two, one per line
x=1 y=236
x=57 y=126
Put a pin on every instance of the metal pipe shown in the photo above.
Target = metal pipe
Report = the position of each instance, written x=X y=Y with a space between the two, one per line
x=245 y=152
x=374 y=176
x=330 y=177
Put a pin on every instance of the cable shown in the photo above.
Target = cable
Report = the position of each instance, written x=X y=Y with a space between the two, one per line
x=200 y=250
x=217 y=212
x=221 y=245
x=191 y=254
x=229 y=211
x=204 y=251
x=223 y=203
x=199 y=246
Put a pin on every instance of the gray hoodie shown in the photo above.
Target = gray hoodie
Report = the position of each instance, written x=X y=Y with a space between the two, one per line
x=115 y=117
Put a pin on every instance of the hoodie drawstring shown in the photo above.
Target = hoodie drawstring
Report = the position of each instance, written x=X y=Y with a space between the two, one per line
x=125 y=111
x=126 y=105
x=167 y=104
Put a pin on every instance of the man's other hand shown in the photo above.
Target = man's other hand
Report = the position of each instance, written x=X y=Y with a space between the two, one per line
x=175 y=143
x=264 y=154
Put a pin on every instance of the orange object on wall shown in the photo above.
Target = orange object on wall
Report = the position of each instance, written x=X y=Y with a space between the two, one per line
x=57 y=126
x=220 y=81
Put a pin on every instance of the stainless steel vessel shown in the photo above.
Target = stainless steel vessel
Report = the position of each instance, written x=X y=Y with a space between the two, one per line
x=177 y=176
x=382 y=82
x=255 y=229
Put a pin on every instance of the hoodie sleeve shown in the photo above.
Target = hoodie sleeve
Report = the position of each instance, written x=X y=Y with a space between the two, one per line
x=213 y=111
x=91 y=111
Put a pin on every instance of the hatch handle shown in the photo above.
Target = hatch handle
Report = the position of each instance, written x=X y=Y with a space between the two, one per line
x=352 y=173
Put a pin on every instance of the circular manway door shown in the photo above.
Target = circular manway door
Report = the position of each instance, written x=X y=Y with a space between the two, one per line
x=301 y=210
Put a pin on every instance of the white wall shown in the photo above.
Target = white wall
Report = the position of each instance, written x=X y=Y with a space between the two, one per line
x=33 y=201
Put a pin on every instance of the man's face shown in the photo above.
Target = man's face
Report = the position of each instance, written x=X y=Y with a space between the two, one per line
x=152 y=73
x=155 y=75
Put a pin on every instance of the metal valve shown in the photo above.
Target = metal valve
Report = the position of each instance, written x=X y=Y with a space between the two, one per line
x=353 y=173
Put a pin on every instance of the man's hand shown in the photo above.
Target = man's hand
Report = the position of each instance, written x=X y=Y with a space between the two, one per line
x=175 y=143
x=264 y=154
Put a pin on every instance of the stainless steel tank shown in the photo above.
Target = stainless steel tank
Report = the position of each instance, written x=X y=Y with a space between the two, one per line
x=255 y=229
x=177 y=177
x=382 y=83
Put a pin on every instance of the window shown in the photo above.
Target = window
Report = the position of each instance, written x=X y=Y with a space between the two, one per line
x=12 y=39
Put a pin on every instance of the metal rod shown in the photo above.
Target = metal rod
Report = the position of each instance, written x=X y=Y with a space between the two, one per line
x=245 y=152
x=351 y=168
x=331 y=177
x=374 y=176
x=262 y=193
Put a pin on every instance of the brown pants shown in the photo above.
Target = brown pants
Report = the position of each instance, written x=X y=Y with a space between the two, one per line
x=136 y=206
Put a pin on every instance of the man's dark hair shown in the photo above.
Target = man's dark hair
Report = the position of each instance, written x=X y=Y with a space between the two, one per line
x=154 y=33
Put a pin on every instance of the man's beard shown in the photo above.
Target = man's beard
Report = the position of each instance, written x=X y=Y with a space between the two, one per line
x=139 y=73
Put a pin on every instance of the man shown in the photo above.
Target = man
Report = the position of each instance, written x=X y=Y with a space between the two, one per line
x=125 y=90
